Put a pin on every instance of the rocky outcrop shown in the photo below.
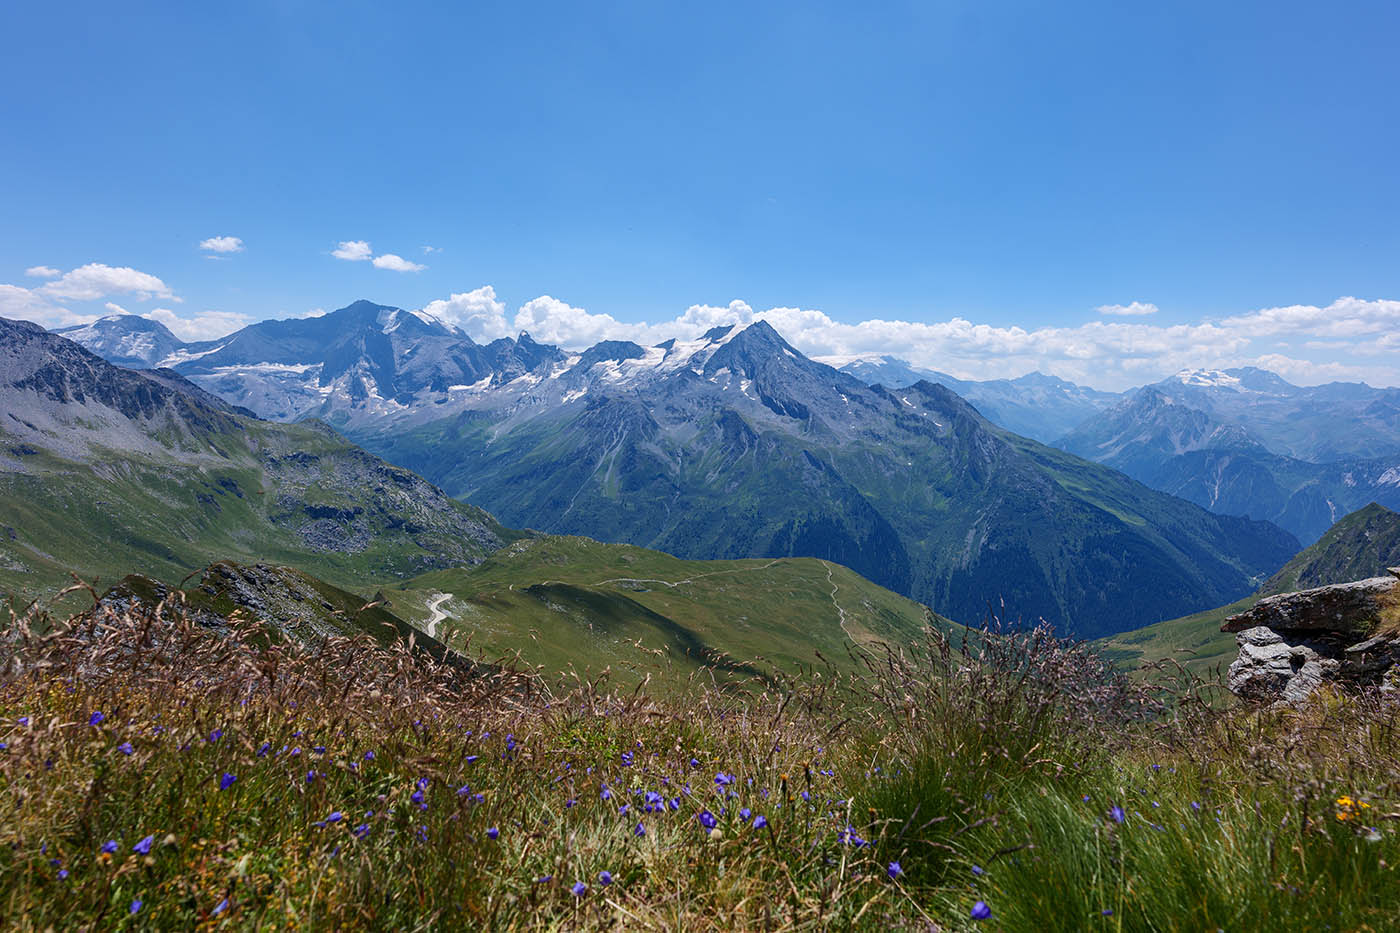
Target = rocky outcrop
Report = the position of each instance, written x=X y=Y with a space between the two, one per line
x=1293 y=643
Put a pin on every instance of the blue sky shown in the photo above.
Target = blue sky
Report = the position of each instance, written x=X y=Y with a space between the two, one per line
x=1012 y=166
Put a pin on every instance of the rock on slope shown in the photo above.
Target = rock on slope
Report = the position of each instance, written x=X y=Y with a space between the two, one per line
x=1292 y=643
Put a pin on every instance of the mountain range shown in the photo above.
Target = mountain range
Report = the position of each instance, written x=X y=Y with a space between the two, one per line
x=142 y=476
x=1245 y=442
x=736 y=445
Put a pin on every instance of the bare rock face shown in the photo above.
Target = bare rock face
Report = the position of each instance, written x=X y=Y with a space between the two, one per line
x=1293 y=643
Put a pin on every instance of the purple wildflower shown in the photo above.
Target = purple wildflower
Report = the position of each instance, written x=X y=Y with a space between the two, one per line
x=579 y=889
x=707 y=819
x=135 y=906
x=493 y=833
x=1117 y=814
x=227 y=780
x=125 y=748
x=220 y=907
x=96 y=718
x=605 y=878
x=980 y=911
x=110 y=846
x=760 y=821
x=144 y=846
x=895 y=870
x=639 y=831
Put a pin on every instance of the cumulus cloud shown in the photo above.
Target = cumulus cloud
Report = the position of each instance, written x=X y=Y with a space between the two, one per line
x=205 y=325
x=222 y=244
x=360 y=251
x=1136 y=309
x=1110 y=354
x=115 y=308
x=352 y=250
x=550 y=320
x=25 y=304
x=95 y=280
x=42 y=272
x=478 y=313
x=396 y=263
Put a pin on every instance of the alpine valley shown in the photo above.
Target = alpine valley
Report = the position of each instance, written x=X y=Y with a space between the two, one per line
x=735 y=445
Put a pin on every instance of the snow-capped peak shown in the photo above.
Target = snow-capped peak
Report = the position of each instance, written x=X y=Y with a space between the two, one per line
x=1207 y=377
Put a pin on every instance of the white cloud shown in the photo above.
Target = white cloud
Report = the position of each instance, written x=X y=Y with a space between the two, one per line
x=24 y=304
x=222 y=244
x=42 y=272
x=478 y=312
x=115 y=308
x=206 y=325
x=550 y=320
x=1136 y=309
x=353 y=250
x=396 y=263
x=360 y=251
x=96 y=280
x=429 y=250
x=312 y=312
x=1361 y=342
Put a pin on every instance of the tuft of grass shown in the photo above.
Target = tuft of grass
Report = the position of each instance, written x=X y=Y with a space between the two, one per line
x=247 y=782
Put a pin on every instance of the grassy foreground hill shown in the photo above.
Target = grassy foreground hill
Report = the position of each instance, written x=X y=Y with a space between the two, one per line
x=567 y=601
x=1360 y=545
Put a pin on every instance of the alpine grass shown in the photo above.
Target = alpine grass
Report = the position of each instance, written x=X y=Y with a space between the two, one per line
x=156 y=774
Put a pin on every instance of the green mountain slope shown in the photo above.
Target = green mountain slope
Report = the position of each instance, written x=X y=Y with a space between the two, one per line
x=1360 y=545
x=568 y=601
x=105 y=471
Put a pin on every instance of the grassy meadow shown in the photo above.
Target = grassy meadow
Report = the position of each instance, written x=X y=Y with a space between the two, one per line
x=156 y=775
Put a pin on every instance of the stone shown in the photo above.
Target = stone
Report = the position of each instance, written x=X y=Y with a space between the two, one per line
x=1293 y=643
x=1269 y=667
x=1342 y=608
